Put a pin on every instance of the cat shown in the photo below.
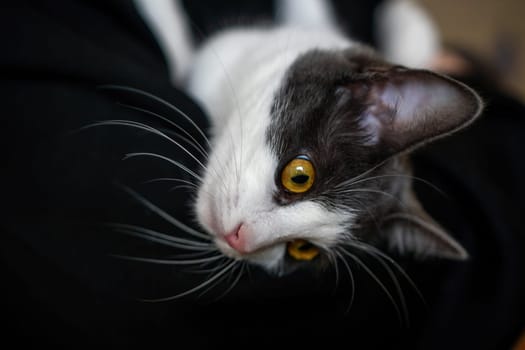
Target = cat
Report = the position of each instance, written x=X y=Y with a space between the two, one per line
x=310 y=144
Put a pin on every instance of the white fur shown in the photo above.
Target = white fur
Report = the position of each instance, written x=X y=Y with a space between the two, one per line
x=236 y=77
x=306 y=13
x=167 y=22
x=406 y=33
x=250 y=64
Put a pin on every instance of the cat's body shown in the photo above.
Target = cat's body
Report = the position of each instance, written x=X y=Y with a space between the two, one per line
x=293 y=93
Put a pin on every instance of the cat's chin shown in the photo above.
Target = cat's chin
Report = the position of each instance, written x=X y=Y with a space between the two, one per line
x=269 y=258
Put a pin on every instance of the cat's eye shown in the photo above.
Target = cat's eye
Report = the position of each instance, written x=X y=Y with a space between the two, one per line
x=298 y=176
x=300 y=249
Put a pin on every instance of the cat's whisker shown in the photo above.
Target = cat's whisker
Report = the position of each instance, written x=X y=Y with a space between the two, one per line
x=189 y=185
x=174 y=162
x=195 y=254
x=372 y=216
x=211 y=270
x=164 y=242
x=411 y=177
x=234 y=283
x=161 y=101
x=352 y=280
x=212 y=169
x=393 y=277
x=217 y=282
x=354 y=190
x=182 y=187
x=375 y=278
x=185 y=183
x=165 y=215
x=368 y=190
x=150 y=129
x=180 y=262
x=147 y=128
x=333 y=260
x=363 y=174
x=172 y=179
x=161 y=236
x=196 y=288
x=189 y=138
x=225 y=277
x=367 y=247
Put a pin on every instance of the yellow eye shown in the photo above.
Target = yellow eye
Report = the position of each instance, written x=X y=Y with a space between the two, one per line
x=300 y=249
x=298 y=176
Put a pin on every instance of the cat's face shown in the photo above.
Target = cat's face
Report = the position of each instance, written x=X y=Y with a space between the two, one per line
x=321 y=158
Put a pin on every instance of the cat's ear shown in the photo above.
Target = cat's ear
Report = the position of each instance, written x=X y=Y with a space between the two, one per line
x=413 y=231
x=405 y=108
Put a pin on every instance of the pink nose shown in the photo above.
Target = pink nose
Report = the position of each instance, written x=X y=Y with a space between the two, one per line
x=237 y=239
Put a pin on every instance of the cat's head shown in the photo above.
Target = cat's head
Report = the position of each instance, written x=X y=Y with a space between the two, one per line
x=324 y=160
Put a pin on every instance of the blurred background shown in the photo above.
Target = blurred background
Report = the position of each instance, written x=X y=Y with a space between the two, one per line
x=494 y=30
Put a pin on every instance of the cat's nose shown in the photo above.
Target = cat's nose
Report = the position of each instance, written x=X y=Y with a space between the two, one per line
x=237 y=239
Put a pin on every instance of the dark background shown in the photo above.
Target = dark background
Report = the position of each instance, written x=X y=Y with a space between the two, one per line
x=60 y=285
x=493 y=30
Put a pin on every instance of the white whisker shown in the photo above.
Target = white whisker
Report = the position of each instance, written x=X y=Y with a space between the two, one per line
x=165 y=215
x=363 y=174
x=190 y=185
x=352 y=280
x=220 y=280
x=368 y=190
x=167 y=243
x=169 y=261
x=172 y=179
x=147 y=128
x=371 y=215
x=163 y=102
x=196 y=254
x=411 y=177
x=365 y=246
x=237 y=279
x=376 y=279
x=196 y=288
x=210 y=270
x=159 y=235
x=333 y=260
x=174 y=162
x=357 y=190
x=190 y=139
x=163 y=241
x=396 y=285
x=182 y=187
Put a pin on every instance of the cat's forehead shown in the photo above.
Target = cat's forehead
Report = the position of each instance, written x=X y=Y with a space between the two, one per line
x=328 y=66
x=311 y=92
x=311 y=103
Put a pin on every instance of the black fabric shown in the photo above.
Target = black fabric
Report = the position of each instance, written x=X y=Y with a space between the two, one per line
x=208 y=17
x=62 y=287
x=357 y=18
